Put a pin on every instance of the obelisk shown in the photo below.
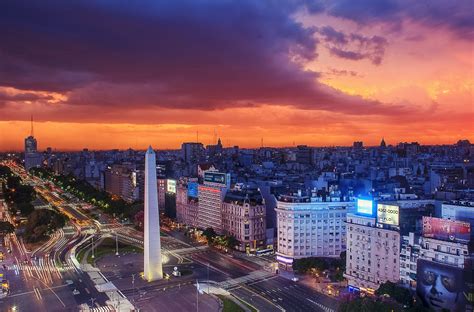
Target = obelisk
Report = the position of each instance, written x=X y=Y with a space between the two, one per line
x=152 y=247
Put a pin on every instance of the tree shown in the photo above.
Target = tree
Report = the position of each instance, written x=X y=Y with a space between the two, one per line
x=210 y=234
x=231 y=242
x=41 y=223
x=399 y=293
x=367 y=305
x=6 y=227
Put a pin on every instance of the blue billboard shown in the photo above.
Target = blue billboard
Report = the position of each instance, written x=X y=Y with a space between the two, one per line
x=365 y=206
x=193 y=189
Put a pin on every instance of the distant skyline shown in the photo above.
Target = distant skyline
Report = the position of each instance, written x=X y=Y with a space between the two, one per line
x=102 y=75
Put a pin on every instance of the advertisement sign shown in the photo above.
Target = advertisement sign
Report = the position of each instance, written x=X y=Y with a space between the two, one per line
x=388 y=214
x=171 y=186
x=193 y=189
x=443 y=287
x=217 y=177
x=365 y=206
x=448 y=230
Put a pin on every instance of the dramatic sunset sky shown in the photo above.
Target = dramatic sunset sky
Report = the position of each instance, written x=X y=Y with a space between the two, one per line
x=118 y=74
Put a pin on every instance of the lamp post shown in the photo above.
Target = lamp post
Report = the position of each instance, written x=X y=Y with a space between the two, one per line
x=116 y=244
x=93 y=256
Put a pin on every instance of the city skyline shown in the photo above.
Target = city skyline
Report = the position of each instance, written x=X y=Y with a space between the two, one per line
x=305 y=72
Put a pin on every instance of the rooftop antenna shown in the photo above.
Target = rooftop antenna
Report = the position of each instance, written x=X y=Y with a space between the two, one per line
x=31 y=131
x=261 y=141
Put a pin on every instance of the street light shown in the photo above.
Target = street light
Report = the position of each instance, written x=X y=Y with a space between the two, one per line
x=116 y=244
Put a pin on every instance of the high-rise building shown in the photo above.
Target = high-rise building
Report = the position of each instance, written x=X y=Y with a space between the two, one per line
x=243 y=216
x=32 y=157
x=121 y=180
x=211 y=195
x=161 y=185
x=373 y=247
x=445 y=278
x=310 y=227
x=187 y=202
x=153 y=269
x=304 y=155
x=409 y=253
x=191 y=152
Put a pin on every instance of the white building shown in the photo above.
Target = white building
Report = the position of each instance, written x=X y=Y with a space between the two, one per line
x=373 y=254
x=308 y=228
x=409 y=253
x=211 y=195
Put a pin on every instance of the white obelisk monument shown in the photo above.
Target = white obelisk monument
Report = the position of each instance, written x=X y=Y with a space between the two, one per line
x=152 y=247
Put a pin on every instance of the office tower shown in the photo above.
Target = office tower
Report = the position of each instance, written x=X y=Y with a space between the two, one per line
x=152 y=247
x=32 y=157
x=309 y=227
x=191 y=152
x=162 y=187
x=187 y=201
x=243 y=216
x=121 y=180
x=211 y=195
x=373 y=246
x=304 y=155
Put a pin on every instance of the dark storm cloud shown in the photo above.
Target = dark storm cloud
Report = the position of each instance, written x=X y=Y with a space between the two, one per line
x=456 y=16
x=353 y=46
x=182 y=54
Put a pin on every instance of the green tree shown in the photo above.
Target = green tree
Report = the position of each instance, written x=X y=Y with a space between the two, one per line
x=210 y=234
x=6 y=227
x=399 y=293
x=368 y=305
x=41 y=223
x=231 y=242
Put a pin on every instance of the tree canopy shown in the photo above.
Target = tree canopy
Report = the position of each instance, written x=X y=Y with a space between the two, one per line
x=41 y=223
x=6 y=227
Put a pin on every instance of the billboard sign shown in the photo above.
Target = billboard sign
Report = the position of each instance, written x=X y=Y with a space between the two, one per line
x=443 y=287
x=216 y=177
x=171 y=186
x=193 y=189
x=445 y=229
x=388 y=214
x=365 y=206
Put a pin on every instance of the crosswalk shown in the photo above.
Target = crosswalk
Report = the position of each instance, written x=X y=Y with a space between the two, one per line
x=45 y=265
x=101 y=309
x=252 y=277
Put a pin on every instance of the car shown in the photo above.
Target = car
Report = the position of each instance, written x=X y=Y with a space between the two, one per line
x=295 y=279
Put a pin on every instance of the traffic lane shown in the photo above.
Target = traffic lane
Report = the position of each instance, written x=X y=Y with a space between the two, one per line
x=254 y=299
x=86 y=289
x=232 y=268
x=292 y=296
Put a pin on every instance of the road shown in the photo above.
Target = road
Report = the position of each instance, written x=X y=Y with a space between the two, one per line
x=51 y=280
x=47 y=277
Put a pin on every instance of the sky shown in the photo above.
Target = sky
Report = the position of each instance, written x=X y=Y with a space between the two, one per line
x=117 y=74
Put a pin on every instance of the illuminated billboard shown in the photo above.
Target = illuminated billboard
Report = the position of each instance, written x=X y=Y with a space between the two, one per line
x=193 y=189
x=171 y=186
x=217 y=177
x=388 y=214
x=448 y=230
x=444 y=287
x=365 y=206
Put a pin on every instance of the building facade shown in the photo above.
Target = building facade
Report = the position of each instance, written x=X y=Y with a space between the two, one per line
x=211 y=196
x=243 y=216
x=307 y=228
x=121 y=180
x=373 y=254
